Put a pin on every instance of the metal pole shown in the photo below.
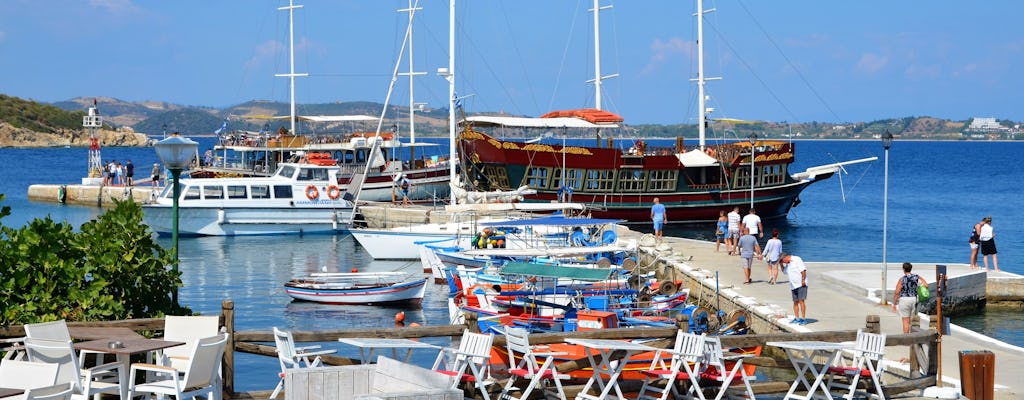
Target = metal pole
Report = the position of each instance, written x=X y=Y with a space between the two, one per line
x=752 y=151
x=175 y=174
x=885 y=226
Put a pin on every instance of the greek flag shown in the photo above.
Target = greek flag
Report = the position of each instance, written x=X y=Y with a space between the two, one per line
x=456 y=100
x=222 y=127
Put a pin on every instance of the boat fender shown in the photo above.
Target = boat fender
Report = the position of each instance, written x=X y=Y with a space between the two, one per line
x=668 y=288
x=62 y=194
x=333 y=192
x=312 y=193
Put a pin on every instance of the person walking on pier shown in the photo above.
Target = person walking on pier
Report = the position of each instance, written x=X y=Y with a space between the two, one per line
x=772 y=253
x=987 y=238
x=753 y=223
x=721 y=227
x=733 y=235
x=904 y=301
x=155 y=175
x=658 y=217
x=748 y=248
x=795 y=269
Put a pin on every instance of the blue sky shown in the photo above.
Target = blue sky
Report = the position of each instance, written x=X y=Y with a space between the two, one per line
x=796 y=60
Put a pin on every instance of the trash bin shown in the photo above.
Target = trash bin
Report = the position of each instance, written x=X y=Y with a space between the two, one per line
x=978 y=374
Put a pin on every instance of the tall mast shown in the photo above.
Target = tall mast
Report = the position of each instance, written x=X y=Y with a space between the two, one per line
x=451 y=96
x=412 y=102
x=597 y=53
x=701 y=79
x=291 y=57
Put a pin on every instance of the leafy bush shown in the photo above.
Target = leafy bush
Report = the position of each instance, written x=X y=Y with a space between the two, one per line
x=111 y=269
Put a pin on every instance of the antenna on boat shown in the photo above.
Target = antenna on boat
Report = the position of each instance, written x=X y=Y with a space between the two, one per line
x=701 y=79
x=291 y=57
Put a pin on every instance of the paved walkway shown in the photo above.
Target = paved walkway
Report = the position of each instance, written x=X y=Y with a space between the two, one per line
x=838 y=300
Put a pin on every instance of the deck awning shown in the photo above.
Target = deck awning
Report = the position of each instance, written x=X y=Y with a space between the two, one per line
x=556 y=271
x=554 y=220
x=696 y=158
x=524 y=122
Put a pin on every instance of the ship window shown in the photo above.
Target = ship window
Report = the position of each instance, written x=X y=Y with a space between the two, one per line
x=632 y=180
x=192 y=193
x=213 y=192
x=282 y=191
x=260 y=192
x=742 y=177
x=237 y=192
x=538 y=177
x=572 y=178
x=312 y=174
x=286 y=171
x=599 y=180
x=662 y=180
x=773 y=174
x=497 y=177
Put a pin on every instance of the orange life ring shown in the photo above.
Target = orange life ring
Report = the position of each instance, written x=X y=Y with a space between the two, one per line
x=333 y=192
x=312 y=193
x=709 y=151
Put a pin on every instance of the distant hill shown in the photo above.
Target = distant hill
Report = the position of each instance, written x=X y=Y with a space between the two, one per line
x=120 y=112
x=26 y=123
x=38 y=117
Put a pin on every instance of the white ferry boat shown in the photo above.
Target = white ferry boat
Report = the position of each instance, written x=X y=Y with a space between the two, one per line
x=297 y=199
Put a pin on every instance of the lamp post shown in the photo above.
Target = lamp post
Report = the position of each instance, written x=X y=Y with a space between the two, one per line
x=753 y=140
x=176 y=153
x=886 y=143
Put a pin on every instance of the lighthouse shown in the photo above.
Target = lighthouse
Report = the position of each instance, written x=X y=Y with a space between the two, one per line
x=92 y=122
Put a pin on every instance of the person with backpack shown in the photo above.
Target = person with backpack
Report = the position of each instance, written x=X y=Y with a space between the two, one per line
x=904 y=301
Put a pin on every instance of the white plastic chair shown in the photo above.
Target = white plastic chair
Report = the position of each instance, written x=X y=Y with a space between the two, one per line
x=470 y=361
x=687 y=356
x=868 y=352
x=529 y=367
x=294 y=357
x=58 y=330
x=17 y=374
x=716 y=370
x=86 y=381
x=200 y=376
x=14 y=348
x=61 y=391
x=187 y=329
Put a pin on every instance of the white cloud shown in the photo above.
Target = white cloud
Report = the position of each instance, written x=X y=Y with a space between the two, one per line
x=871 y=63
x=264 y=52
x=663 y=50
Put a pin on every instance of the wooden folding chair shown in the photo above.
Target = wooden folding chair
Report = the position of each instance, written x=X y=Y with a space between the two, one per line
x=687 y=356
x=470 y=361
x=718 y=371
x=866 y=363
x=529 y=367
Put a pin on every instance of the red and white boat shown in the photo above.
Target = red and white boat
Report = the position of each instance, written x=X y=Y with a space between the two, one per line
x=369 y=288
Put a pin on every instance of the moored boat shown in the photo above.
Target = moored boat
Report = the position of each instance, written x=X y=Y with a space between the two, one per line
x=370 y=288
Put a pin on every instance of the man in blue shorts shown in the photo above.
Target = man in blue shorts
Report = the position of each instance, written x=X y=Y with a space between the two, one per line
x=659 y=217
x=794 y=268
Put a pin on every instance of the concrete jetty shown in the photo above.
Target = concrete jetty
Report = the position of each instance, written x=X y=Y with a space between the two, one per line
x=840 y=297
x=90 y=195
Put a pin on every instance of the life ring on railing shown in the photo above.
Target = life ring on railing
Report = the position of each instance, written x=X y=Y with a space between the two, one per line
x=709 y=151
x=312 y=193
x=333 y=192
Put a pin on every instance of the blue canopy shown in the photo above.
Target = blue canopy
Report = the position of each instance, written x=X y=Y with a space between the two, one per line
x=554 y=221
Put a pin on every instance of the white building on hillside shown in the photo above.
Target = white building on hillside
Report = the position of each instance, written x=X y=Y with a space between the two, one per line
x=985 y=125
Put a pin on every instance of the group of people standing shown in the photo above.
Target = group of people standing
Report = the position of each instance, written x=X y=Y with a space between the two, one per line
x=114 y=173
x=983 y=239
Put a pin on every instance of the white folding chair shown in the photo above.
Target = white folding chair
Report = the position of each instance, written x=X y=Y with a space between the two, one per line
x=716 y=368
x=58 y=330
x=517 y=340
x=866 y=363
x=61 y=391
x=199 y=378
x=470 y=361
x=187 y=329
x=87 y=381
x=292 y=357
x=13 y=348
x=18 y=374
x=687 y=356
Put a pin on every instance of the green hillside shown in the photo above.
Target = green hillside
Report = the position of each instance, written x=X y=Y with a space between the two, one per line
x=37 y=116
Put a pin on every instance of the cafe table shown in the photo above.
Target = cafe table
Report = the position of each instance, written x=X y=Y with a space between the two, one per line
x=123 y=347
x=803 y=355
x=368 y=345
x=604 y=349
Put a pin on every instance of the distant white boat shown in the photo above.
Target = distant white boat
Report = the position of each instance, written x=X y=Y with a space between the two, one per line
x=357 y=288
x=297 y=199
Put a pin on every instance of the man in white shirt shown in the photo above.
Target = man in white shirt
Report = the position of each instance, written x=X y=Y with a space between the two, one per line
x=753 y=222
x=794 y=268
x=732 y=237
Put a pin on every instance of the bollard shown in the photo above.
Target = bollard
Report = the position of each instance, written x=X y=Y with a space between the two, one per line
x=978 y=374
x=872 y=324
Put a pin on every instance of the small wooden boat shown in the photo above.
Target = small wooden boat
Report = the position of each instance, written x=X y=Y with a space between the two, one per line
x=370 y=288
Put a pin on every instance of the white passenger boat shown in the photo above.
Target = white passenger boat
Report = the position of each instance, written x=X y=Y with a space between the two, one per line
x=357 y=288
x=300 y=198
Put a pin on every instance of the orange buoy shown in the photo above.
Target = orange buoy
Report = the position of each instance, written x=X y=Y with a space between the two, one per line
x=413 y=324
x=354 y=269
x=400 y=317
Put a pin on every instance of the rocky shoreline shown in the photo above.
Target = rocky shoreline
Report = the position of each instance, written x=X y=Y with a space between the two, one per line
x=11 y=136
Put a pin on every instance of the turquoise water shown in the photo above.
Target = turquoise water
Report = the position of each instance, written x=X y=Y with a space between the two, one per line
x=937 y=191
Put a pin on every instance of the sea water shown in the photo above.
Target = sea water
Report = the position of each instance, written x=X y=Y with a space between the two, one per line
x=937 y=192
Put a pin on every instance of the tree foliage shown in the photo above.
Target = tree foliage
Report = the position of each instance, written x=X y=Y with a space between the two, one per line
x=36 y=116
x=112 y=268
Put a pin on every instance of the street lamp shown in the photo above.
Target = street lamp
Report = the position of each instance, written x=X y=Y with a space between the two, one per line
x=753 y=140
x=886 y=143
x=176 y=153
